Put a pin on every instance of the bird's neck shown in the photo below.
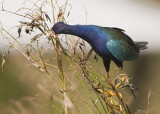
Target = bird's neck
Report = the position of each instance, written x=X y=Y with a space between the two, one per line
x=77 y=30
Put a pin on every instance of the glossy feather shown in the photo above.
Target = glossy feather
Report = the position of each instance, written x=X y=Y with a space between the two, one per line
x=109 y=43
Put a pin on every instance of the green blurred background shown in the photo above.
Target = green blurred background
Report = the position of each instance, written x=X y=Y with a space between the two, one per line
x=25 y=89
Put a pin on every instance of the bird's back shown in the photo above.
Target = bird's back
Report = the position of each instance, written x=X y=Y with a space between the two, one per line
x=120 y=45
x=108 y=42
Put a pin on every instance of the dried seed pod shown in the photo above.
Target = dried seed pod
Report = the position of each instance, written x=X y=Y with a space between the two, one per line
x=123 y=78
x=60 y=13
x=32 y=24
x=117 y=85
x=108 y=99
x=96 y=57
x=106 y=93
x=19 y=30
x=27 y=30
x=47 y=17
x=68 y=14
x=25 y=23
x=115 y=82
x=100 y=91
x=112 y=93
x=120 y=95
x=28 y=53
x=81 y=48
x=81 y=44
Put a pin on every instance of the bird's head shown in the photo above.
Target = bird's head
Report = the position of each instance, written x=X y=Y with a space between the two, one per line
x=58 y=28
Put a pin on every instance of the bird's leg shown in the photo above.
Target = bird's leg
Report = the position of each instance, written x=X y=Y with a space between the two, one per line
x=108 y=79
x=108 y=76
x=106 y=63
x=121 y=68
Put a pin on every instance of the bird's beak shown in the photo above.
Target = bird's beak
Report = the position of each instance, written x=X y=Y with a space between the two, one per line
x=49 y=34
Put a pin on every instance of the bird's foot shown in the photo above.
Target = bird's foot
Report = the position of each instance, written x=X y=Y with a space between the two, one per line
x=108 y=79
x=108 y=76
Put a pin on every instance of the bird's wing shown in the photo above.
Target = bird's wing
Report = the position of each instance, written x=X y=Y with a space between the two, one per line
x=121 y=50
x=120 y=33
x=120 y=45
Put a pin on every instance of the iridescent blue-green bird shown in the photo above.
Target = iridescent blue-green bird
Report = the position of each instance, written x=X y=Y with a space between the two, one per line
x=109 y=43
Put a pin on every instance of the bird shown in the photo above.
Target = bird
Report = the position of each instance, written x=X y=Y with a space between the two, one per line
x=110 y=43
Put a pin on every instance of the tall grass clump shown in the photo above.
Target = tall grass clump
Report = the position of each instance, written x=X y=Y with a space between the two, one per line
x=96 y=93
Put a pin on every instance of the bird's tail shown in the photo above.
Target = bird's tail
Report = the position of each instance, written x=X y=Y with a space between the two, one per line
x=141 y=45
